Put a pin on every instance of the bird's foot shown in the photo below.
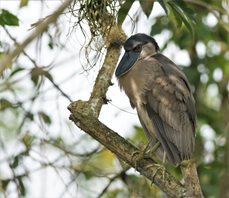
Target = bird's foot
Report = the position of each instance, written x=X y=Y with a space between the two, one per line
x=157 y=168
x=136 y=157
x=140 y=154
x=147 y=152
x=155 y=147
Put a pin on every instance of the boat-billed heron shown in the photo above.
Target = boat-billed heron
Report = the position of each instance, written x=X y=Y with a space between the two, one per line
x=161 y=94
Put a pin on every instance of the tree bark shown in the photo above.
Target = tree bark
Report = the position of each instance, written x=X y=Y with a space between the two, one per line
x=192 y=184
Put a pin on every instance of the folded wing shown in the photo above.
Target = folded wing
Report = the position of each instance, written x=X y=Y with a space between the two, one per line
x=167 y=110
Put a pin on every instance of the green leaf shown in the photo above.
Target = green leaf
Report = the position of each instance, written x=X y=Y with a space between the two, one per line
x=180 y=14
x=123 y=11
x=16 y=70
x=48 y=75
x=114 y=193
x=29 y=115
x=162 y=3
x=21 y=186
x=188 y=12
x=50 y=44
x=161 y=22
x=27 y=139
x=45 y=117
x=4 y=104
x=178 y=20
x=139 y=135
x=37 y=72
x=147 y=6
x=4 y=183
x=7 y=18
x=51 y=41
x=88 y=174
x=15 y=162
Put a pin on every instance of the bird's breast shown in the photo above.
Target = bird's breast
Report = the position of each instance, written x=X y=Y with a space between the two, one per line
x=133 y=85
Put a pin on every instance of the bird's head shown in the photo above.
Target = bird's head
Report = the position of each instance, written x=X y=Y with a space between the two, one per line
x=137 y=46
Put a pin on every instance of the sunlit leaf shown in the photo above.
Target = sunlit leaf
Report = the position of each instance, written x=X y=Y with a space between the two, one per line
x=27 y=139
x=99 y=163
x=104 y=156
x=23 y=3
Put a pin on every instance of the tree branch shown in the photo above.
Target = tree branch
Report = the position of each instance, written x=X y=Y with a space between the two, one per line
x=125 y=151
x=6 y=60
x=114 y=43
x=192 y=184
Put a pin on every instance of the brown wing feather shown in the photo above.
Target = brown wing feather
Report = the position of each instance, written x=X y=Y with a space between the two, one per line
x=162 y=96
x=170 y=106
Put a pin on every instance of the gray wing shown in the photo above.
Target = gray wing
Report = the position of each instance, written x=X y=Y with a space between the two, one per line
x=169 y=105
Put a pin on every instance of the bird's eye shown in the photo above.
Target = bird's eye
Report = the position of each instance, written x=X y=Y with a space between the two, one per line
x=138 y=48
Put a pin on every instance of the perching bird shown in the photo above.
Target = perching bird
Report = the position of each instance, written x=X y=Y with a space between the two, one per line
x=161 y=94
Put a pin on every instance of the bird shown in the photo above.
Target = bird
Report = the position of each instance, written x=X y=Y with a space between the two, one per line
x=162 y=96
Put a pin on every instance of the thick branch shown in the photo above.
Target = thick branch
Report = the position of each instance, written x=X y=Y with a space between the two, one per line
x=103 y=80
x=125 y=151
x=192 y=184
x=6 y=60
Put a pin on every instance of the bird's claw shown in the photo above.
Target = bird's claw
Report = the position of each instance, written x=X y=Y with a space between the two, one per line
x=158 y=167
x=138 y=155
x=135 y=157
